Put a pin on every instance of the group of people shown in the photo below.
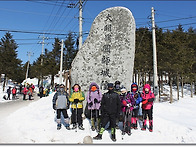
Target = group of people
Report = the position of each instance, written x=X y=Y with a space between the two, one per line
x=28 y=90
x=12 y=91
x=105 y=108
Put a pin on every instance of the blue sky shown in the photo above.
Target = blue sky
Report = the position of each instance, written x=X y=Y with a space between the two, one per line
x=55 y=17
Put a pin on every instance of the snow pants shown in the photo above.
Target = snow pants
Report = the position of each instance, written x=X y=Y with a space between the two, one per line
x=64 y=111
x=148 y=113
x=108 y=118
x=77 y=119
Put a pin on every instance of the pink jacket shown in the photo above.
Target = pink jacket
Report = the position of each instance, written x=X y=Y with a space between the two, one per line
x=145 y=96
x=25 y=90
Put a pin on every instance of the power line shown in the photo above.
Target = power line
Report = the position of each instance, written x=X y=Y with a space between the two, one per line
x=178 y=25
x=176 y=19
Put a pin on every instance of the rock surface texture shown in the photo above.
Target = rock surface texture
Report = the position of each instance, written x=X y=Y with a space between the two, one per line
x=108 y=53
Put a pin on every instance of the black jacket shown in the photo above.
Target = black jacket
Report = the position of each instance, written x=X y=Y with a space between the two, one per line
x=110 y=104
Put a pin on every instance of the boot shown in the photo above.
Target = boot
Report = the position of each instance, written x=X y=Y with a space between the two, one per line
x=113 y=135
x=144 y=125
x=74 y=126
x=81 y=127
x=58 y=126
x=98 y=137
x=92 y=124
x=135 y=125
x=150 y=125
x=128 y=128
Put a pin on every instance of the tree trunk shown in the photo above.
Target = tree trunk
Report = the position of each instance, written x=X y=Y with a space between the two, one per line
x=177 y=87
x=161 y=83
x=52 y=81
x=138 y=79
x=145 y=78
x=182 y=87
x=4 y=82
x=38 y=82
x=159 y=88
x=192 y=89
x=170 y=84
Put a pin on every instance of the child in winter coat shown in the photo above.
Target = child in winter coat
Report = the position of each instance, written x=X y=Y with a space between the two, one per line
x=25 y=90
x=127 y=102
x=147 y=106
x=14 y=93
x=76 y=98
x=61 y=104
x=93 y=98
x=137 y=97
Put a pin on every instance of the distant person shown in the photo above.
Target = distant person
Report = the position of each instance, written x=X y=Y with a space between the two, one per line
x=61 y=104
x=9 y=93
x=41 y=91
x=30 y=92
x=25 y=90
x=76 y=98
x=110 y=111
x=20 y=89
x=147 y=106
x=14 y=93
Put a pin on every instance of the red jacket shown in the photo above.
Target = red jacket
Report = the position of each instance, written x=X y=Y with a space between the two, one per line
x=145 y=97
x=25 y=90
x=14 y=91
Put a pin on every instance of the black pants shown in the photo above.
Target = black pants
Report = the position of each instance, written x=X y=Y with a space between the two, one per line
x=108 y=118
x=148 y=113
x=77 y=119
x=24 y=96
x=8 y=96
x=64 y=111
x=135 y=112
x=95 y=113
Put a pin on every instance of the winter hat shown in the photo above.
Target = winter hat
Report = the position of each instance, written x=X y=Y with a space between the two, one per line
x=123 y=90
x=110 y=85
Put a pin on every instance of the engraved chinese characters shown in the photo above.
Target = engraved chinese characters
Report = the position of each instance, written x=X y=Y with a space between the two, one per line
x=108 y=52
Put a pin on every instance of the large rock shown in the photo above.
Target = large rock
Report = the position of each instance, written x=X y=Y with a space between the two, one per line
x=108 y=53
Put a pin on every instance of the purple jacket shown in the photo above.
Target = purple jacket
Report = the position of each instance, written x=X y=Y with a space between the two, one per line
x=128 y=98
x=91 y=96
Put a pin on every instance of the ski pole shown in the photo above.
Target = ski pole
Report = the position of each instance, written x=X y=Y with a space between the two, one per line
x=96 y=117
x=76 y=116
x=124 y=123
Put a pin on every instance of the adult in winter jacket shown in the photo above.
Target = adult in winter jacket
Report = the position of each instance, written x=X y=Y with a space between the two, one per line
x=76 y=98
x=61 y=104
x=30 y=92
x=25 y=90
x=138 y=99
x=147 y=106
x=9 y=93
x=41 y=91
x=14 y=93
x=93 y=98
x=127 y=103
x=110 y=110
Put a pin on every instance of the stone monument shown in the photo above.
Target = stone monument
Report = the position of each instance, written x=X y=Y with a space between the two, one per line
x=108 y=53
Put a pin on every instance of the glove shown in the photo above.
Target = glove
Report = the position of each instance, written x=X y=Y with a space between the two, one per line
x=136 y=95
x=95 y=101
x=54 y=106
x=144 y=102
x=90 y=104
x=76 y=101
x=128 y=105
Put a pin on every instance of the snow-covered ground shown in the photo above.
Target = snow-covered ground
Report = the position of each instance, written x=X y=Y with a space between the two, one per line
x=35 y=123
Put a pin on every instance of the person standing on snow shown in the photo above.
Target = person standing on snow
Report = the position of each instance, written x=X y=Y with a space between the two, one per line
x=25 y=90
x=14 y=93
x=127 y=102
x=110 y=111
x=76 y=98
x=9 y=93
x=93 y=98
x=147 y=106
x=138 y=99
x=41 y=91
x=61 y=104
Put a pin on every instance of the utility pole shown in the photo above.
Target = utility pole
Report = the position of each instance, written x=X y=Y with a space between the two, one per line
x=155 y=79
x=43 y=37
x=29 y=55
x=80 y=19
x=61 y=64
x=80 y=24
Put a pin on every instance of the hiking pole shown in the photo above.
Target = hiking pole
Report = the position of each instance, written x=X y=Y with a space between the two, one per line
x=76 y=116
x=124 y=124
x=96 y=117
